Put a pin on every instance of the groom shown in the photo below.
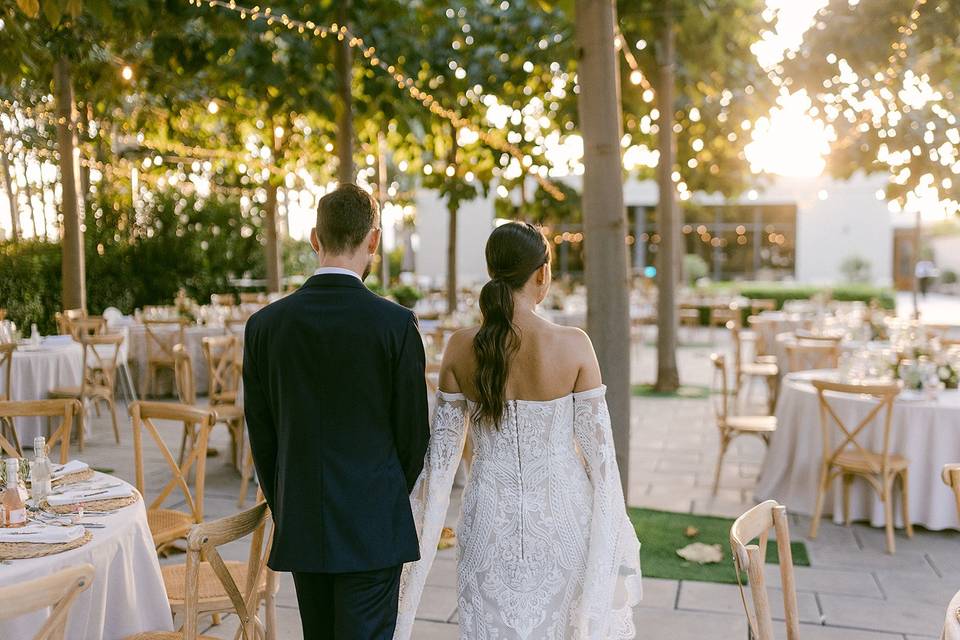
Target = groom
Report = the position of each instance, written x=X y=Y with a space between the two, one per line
x=336 y=408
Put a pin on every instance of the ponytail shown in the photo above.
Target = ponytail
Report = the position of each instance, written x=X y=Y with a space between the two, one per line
x=514 y=252
x=494 y=346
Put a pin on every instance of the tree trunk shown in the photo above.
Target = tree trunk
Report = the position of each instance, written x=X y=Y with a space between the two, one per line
x=344 y=108
x=271 y=237
x=605 y=224
x=453 y=204
x=28 y=192
x=73 y=268
x=382 y=189
x=43 y=206
x=668 y=376
x=85 y=168
x=8 y=186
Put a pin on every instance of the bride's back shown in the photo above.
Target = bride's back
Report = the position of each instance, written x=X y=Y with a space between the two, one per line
x=550 y=362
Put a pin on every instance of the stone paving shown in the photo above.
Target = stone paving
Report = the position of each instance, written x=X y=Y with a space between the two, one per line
x=851 y=591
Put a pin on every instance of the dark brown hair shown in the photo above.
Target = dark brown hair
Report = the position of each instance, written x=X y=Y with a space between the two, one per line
x=344 y=217
x=514 y=251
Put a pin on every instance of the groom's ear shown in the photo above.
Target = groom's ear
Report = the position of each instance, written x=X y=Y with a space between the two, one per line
x=314 y=241
x=373 y=241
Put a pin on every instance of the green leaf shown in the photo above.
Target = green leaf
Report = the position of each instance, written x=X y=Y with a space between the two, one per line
x=29 y=7
x=51 y=9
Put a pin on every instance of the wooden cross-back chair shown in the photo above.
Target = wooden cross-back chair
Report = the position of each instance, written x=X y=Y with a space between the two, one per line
x=56 y=592
x=805 y=353
x=223 y=299
x=162 y=336
x=66 y=409
x=951 y=478
x=170 y=525
x=206 y=584
x=100 y=362
x=253 y=298
x=67 y=316
x=224 y=372
x=758 y=368
x=7 y=430
x=755 y=524
x=851 y=458
x=729 y=426
x=86 y=326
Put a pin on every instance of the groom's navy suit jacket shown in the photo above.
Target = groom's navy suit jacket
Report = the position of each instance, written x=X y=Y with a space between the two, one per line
x=336 y=407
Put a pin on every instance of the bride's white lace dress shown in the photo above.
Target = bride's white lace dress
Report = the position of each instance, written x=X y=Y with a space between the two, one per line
x=546 y=550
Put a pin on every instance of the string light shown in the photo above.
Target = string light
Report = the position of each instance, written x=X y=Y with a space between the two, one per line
x=369 y=53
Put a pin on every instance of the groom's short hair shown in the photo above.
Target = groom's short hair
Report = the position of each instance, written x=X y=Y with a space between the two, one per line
x=344 y=217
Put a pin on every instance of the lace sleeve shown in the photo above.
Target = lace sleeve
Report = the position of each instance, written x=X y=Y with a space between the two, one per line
x=612 y=585
x=430 y=499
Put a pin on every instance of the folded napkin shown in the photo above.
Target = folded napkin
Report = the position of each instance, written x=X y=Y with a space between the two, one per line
x=72 y=466
x=89 y=495
x=42 y=533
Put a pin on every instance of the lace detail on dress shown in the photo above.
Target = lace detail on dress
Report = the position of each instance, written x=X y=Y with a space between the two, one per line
x=546 y=551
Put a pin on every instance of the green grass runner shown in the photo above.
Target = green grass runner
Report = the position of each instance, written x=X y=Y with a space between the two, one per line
x=662 y=533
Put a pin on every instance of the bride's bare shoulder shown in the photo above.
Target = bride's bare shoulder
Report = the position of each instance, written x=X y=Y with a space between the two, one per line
x=579 y=349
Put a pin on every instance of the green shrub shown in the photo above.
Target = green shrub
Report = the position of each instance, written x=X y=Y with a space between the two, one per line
x=694 y=268
x=406 y=295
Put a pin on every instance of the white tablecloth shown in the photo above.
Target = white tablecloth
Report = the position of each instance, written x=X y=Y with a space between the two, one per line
x=193 y=335
x=926 y=432
x=58 y=362
x=770 y=323
x=127 y=594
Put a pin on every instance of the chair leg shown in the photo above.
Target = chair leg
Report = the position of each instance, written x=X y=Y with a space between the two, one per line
x=183 y=445
x=245 y=474
x=113 y=415
x=724 y=443
x=887 y=498
x=905 y=490
x=847 y=483
x=81 y=419
x=822 y=487
x=270 y=605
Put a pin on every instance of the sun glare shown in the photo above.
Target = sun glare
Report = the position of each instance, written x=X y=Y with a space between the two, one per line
x=789 y=142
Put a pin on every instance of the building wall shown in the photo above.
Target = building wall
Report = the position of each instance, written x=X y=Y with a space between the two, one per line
x=849 y=221
x=474 y=224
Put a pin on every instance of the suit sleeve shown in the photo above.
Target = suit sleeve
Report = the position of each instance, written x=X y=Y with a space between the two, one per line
x=259 y=417
x=411 y=428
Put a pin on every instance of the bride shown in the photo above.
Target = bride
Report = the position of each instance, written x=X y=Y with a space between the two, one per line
x=546 y=551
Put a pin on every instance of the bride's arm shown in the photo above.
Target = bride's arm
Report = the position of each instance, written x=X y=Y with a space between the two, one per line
x=431 y=495
x=612 y=582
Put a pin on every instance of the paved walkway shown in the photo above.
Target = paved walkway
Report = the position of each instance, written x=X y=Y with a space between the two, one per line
x=851 y=591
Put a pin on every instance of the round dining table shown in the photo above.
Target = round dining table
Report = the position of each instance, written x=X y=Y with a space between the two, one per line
x=126 y=596
x=925 y=431
x=56 y=362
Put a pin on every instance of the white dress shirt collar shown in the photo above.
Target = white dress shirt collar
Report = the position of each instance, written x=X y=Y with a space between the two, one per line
x=336 y=270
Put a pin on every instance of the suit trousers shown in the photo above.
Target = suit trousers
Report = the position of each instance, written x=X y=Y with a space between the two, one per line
x=348 y=606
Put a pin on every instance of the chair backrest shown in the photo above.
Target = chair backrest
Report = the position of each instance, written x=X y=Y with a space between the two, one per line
x=752 y=525
x=223 y=299
x=202 y=545
x=884 y=394
x=67 y=409
x=74 y=314
x=6 y=368
x=951 y=478
x=183 y=375
x=220 y=352
x=737 y=337
x=84 y=327
x=57 y=591
x=719 y=390
x=253 y=298
x=100 y=354
x=162 y=336
x=144 y=415
x=804 y=354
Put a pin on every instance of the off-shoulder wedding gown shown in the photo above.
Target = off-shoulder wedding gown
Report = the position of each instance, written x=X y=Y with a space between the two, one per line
x=546 y=550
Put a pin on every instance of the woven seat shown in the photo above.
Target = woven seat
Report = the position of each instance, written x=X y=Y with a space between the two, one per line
x=756 y=424
x=167 y=525
x=867 y=462
x=211 y=590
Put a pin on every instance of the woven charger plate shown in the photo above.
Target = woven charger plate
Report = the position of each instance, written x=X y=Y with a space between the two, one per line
x=25 y=550
x=70 y=478
x=93 y=505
